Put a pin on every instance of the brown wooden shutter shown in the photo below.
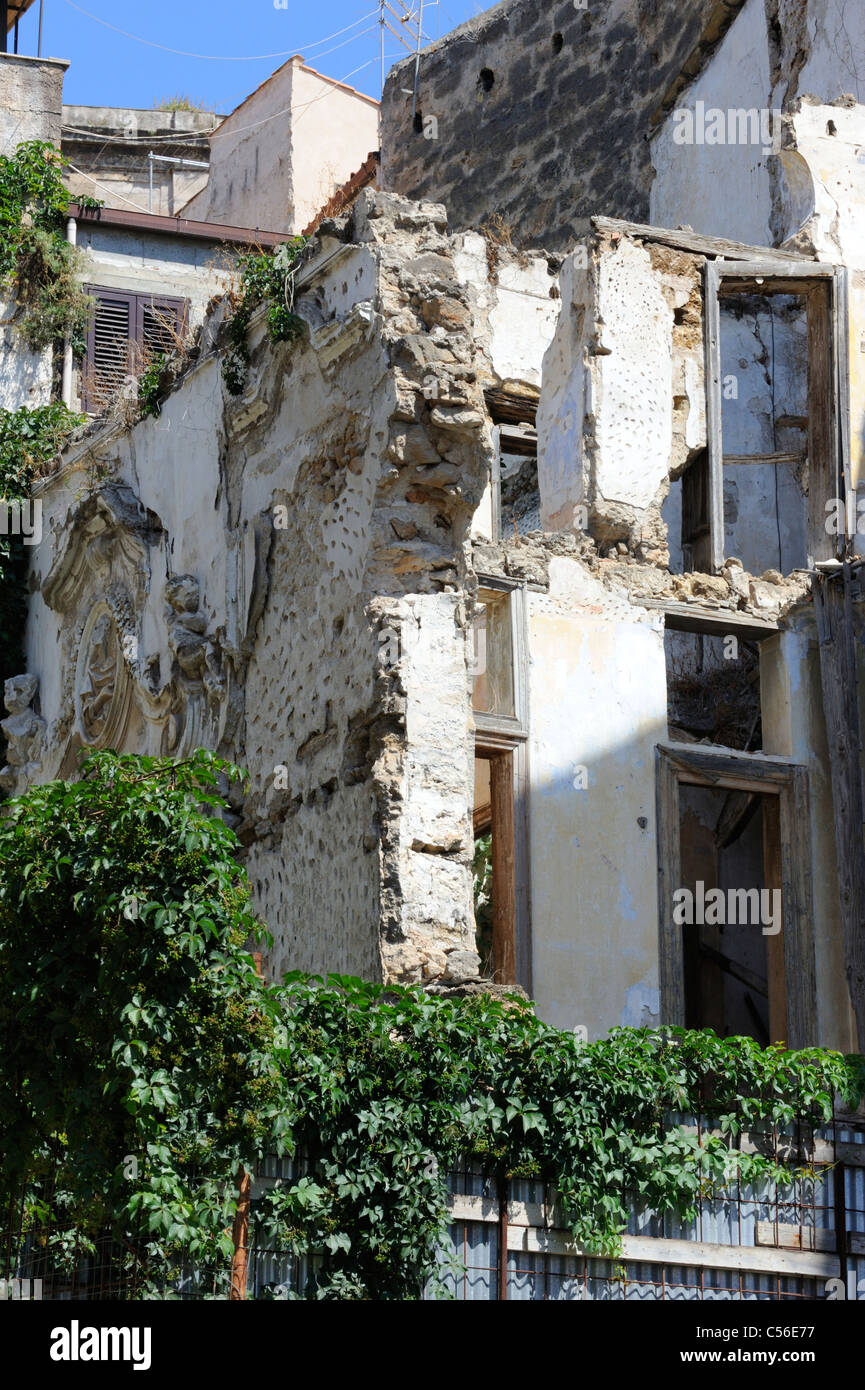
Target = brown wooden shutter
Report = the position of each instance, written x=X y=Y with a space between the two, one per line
x=108 y=342
x=126 y=330
x=160 y=322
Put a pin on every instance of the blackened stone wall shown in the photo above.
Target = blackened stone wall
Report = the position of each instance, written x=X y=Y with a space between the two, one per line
x=542 y=111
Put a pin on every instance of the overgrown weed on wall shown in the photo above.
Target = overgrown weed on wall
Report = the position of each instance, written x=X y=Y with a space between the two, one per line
x=265 y=278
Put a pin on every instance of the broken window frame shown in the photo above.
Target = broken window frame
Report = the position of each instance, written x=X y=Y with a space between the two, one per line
x=764 y=775
x=503 y=740
x=828 y=419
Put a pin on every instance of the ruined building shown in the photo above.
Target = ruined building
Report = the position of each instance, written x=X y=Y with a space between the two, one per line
x=526 y=586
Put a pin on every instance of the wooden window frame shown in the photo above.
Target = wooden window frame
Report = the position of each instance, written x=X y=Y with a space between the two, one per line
x=503 y=740
x=704 y=766
x=825 y=287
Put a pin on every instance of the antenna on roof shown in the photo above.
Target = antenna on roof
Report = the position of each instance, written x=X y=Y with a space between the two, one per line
x=410 y=34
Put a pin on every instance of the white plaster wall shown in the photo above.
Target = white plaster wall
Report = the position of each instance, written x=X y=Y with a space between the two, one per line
x=720 y=190
x=598 y=700
x=333 y=131
x=25 y=376
x=835 y=64
x=518 y=309
x=633 y=379
x=566 y=398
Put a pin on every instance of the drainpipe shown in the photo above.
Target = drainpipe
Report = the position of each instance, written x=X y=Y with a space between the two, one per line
x=66 y=393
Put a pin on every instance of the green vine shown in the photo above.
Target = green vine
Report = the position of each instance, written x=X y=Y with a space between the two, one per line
x=150 y=385
x=265 y=278
x=144 y=1064
x=36 y=260
x=29 y=440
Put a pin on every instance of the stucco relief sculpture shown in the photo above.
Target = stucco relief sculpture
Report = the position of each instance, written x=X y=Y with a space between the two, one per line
x=24 y=731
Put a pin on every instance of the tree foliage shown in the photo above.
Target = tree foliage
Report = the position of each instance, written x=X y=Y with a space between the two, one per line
x=34 y=252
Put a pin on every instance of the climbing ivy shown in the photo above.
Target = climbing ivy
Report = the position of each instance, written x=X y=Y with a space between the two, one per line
x=144 y=1065
x=29 y=439
x=36 y=260
x=265 y=278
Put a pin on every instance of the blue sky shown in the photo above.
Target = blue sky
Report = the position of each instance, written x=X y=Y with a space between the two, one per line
x=108 y=69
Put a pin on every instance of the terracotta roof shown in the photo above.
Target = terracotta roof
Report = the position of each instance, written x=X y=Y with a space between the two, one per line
x=343 y=196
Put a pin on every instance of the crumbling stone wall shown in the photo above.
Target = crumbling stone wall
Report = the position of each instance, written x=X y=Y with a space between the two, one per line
x=541 y=111
x=297 y=597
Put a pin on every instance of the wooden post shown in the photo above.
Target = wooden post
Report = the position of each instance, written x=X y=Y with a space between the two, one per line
x=240 y=1235
x=832 y=606
x=775 y=945
x=504 y=883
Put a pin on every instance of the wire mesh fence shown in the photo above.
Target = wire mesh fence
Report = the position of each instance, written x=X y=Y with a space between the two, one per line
x=800 y=1240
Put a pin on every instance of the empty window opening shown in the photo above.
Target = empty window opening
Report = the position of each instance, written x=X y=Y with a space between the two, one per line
x=511 y=504
x=686 y=515
x=486 y=79
x=493 y=867
x=764 y=424
x=558 y=43
x=519 y=491
x=713 y=690
x=733 y=950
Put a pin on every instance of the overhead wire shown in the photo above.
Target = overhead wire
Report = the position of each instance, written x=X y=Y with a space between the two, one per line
x=217 y=57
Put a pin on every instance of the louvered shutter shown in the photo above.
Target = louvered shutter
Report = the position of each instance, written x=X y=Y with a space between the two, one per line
x=108 y=342
x=126 y=331
x=159 y=322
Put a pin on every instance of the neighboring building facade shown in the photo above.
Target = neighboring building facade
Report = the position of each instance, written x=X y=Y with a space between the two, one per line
x=111 y=150
x=284 y=151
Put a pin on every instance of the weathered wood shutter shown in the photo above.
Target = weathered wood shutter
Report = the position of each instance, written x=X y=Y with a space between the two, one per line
x=126 y=331
x=108 y=343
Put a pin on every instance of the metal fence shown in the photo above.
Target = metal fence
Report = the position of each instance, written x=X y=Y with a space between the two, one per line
x=802 y=1240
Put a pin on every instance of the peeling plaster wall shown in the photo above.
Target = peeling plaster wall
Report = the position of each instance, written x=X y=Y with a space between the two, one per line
x=622 y=404
x=793 y=727
x=598 y=701
x=31 y=102
x=25 y=376
x=515 y=307
x=719 y=189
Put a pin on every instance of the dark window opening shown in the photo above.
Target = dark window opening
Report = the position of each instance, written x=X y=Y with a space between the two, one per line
x=733 y=951
x=418 y=123
x=558 y=43
x=713 y=690
x=127 y=332
x=486 y=79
